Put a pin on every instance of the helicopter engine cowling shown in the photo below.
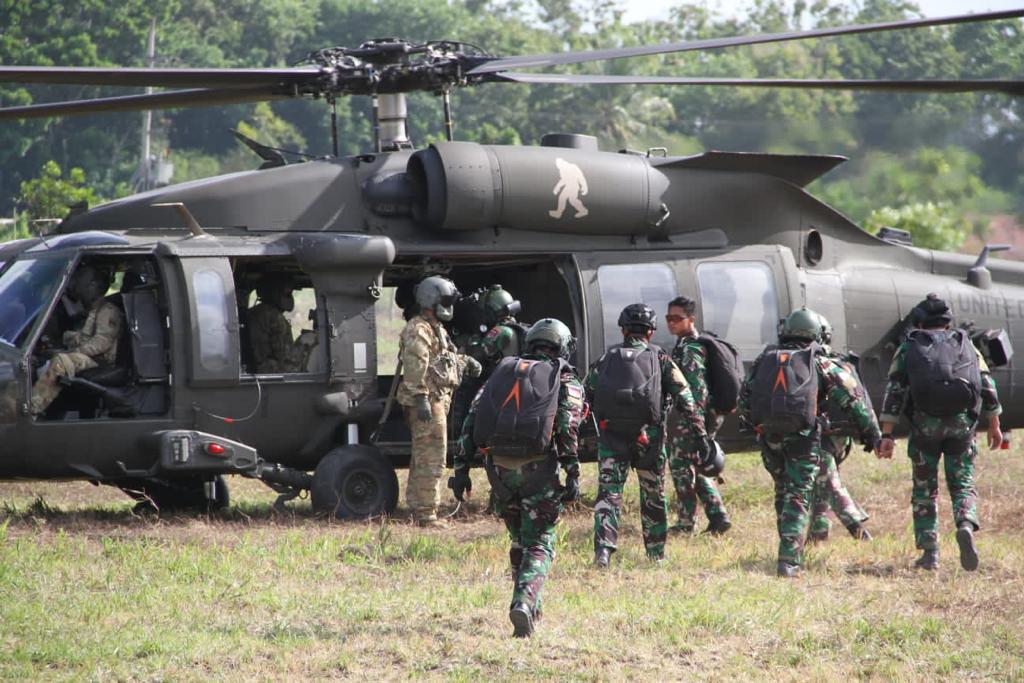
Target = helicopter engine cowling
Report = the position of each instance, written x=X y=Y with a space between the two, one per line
x=461 y=186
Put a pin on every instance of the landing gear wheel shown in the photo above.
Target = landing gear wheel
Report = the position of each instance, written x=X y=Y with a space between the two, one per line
x=354 y=482
x=176 y=495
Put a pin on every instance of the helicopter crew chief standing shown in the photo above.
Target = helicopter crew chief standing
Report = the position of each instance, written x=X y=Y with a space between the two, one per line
x=691 y=358
x=631 y=385
x=431 y=370
x=91 y=345
x=527 y=417
x=939 y=379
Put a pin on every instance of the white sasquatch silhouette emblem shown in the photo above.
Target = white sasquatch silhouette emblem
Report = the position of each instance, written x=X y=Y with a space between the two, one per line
x=570 y=187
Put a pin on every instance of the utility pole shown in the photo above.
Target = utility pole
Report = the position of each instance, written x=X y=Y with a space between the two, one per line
x=145 y=179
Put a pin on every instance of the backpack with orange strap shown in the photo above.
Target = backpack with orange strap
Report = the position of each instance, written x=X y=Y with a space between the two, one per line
x=515 y=412
x=784 y=391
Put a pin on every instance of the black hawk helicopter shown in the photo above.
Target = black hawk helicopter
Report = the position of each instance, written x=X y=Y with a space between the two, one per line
x=575 y=232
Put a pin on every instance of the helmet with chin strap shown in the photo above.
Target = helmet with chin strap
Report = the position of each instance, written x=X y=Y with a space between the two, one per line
x=437 y=294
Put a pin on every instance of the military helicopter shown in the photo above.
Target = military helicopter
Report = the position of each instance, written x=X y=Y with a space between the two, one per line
x=575 y=232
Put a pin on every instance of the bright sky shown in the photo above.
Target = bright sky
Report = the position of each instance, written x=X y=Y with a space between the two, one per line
x=639 y=10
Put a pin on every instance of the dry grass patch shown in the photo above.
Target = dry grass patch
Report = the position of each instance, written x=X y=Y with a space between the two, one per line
x=90 y=591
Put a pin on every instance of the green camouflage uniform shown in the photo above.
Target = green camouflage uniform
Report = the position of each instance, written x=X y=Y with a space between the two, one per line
x=616 y=454
x=93 y=344
x=501 y=341
x=270 y=335
x=793 y=460
x=531 y=519
x=430 y=367
x=691 y=358
x=829 y=490
x=932 y=437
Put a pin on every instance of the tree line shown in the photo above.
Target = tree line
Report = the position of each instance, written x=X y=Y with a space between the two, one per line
x=935 y=164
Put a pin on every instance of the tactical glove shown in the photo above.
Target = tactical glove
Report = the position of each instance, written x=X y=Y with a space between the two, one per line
x=423 y=411
x=704 y=451
x=473 y=367
x=460 y=484
x=571 y=491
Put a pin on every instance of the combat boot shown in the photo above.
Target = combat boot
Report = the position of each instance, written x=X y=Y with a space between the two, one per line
x=431 y=523
x=602 y=556
x=718 y=525
x=968 y=553
x=859 y=532
x=787 y=570
x=929 y=560
x=685 y=528
x=522 y=620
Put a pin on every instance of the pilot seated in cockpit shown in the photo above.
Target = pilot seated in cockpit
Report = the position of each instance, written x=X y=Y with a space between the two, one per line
x=93 y=344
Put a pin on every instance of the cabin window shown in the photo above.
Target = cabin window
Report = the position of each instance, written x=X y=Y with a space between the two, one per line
x=212 y=319
x=739 y=302
x=653 y=284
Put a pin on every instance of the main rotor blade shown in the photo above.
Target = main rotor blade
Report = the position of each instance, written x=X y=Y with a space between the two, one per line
x=1011 y=87
x=557 y=58
x=160 y=78
x=163 y=100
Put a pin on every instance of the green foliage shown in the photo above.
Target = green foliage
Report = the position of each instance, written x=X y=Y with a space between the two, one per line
x=977 y=136
x=933 y=226
x=50 y=195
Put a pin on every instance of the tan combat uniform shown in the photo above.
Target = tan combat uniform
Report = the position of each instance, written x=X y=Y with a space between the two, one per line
x=93 y=344
x=432 y=367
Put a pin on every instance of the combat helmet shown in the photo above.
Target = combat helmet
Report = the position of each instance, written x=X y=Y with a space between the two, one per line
x=932 y=312
x=275 y=289
x=88 y=284
x=638 y=318
x=803 y=324
x=553 y=333
x=438 y=294
x=498 y=304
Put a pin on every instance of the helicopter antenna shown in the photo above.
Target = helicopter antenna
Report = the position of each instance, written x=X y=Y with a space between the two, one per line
x=190 y=220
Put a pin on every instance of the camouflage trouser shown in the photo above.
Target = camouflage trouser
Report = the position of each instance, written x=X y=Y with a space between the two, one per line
x=793 y=461
x=427 y=461
x=530 y=521
x=925 y=447
x=47 y=387
x=829 y=490
x=615 y=457
x=691 y=486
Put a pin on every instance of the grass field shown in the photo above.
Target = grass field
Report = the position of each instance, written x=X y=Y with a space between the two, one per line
x=88 y=591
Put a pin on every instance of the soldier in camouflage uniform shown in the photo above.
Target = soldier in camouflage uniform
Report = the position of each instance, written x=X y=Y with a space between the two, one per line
x=793 y=459
x=270 y=334
x=645 y=452
x=431 y=370
x=932 y=437
x=829 y=490
x=500 y=340
x=691 y=358
x=91 y=345
x=530 y=507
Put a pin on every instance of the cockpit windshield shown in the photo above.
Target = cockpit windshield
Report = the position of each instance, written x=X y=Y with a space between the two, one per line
x=26 y=287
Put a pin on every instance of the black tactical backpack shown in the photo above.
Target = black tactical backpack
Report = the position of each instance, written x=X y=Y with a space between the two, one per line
x=628 y=392
x=943 y=370
x=840 y=423
x=784 y=396
x=516 y=409
x=724 y=372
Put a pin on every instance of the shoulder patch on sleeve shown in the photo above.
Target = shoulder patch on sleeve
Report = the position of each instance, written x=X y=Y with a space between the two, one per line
x=574 y=390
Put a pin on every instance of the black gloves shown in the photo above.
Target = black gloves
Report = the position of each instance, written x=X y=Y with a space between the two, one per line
x=571 y=490
x=461 y=484
x=423 y=412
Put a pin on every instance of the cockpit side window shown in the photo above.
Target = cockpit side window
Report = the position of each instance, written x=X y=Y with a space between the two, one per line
x=26 y=287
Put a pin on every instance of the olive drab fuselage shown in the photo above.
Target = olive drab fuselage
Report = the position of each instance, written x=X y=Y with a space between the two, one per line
x=653 y=228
